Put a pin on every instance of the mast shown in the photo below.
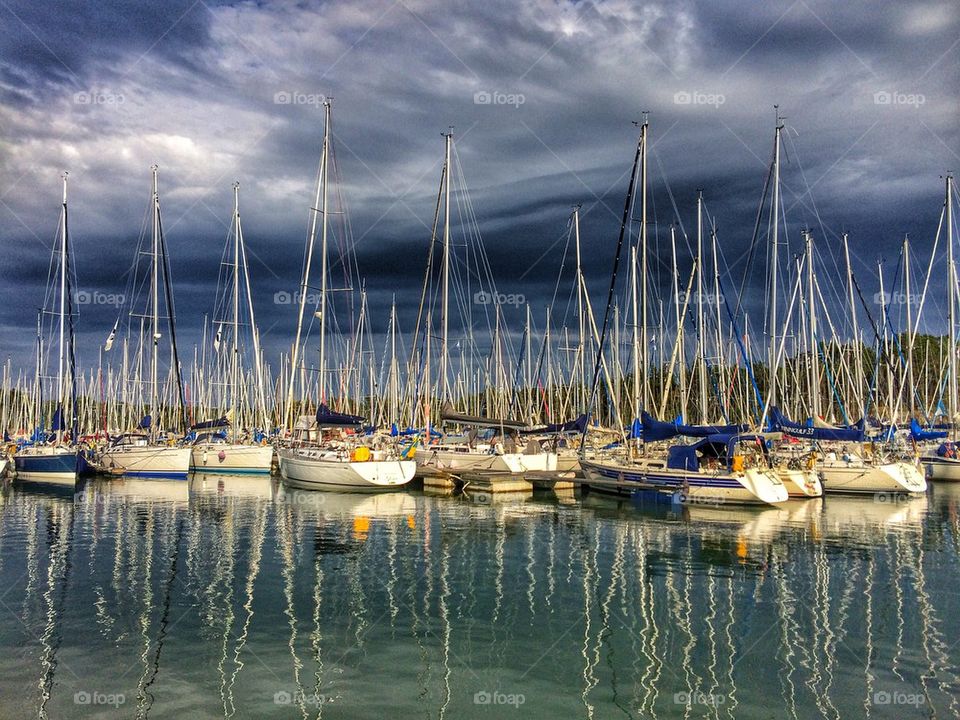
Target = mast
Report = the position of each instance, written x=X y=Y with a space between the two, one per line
x=911 y=393
x=311 y=239
x=235 y=356
x=701 y=339
x=155 y=320
x=579 y=370
x=856 y=344
x=444 y=347
x=952 y=290
x=812 y=323
x=644 y=341
x=321 y=394
x=775 y=213
x=637 y=401
x=63 y=300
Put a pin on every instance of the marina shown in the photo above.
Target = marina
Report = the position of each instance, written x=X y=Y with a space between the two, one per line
x=570 y=359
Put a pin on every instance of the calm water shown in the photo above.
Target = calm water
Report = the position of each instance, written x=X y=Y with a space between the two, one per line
x=238 y=598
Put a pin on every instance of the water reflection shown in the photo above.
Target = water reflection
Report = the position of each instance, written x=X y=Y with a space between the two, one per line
x=235 y=596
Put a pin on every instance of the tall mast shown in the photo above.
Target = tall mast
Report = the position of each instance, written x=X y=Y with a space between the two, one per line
x=63 y=298
x=321 y=394
x=444 y=347
x=775 y=213
x=812 y=321
x=644 y=342
x=701 y=338
x=856 y=344
x=580 y=366
x=678 y=318
x=911 y=393
x=952 y=290
x=155 y=320
x=235 y=355
x=311 y=238
x=638 y=370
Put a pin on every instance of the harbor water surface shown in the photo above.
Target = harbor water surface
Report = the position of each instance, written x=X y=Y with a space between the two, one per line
x=237 y=597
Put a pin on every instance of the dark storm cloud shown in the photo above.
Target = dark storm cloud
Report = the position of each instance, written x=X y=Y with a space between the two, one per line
x=217 y=92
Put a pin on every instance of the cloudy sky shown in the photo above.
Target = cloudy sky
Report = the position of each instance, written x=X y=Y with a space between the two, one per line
x=542 y=96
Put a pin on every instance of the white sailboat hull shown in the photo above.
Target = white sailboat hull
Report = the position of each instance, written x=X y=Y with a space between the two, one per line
x=435 y=460
x=941 y=468
x=863 y=478
x=800 y=483
x=231 y=458
x=312 y=469
x=151 y=461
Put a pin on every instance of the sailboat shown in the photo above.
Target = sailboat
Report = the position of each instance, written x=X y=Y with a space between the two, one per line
x=724 y=466
x=942 y=462
x=500 y=447
x=58 y=460
x=143 y=453
x=218 y=446
x=336 y=460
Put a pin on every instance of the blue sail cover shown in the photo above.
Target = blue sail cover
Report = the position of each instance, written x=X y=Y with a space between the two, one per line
x=779 y=423
x=210 y=424
x=654 y=429
x=57 y=423
x=145 y=422
x=918 y=433
x=326 y=417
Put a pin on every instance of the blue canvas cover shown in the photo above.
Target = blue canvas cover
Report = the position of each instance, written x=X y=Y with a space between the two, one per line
x=327 y=418
x=779 y=423
x=683 y=457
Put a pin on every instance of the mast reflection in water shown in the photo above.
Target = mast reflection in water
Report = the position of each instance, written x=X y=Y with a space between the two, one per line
x=235 y=597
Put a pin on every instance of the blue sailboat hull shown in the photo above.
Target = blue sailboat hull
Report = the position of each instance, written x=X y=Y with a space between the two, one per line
x=56 y=466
